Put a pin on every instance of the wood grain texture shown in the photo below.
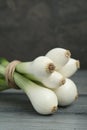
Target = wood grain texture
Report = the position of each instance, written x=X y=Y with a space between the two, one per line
x=17 y=113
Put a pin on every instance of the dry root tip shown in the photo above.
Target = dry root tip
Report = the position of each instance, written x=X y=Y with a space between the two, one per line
x=76 y=97
x=62 y=82
x=68 y=54
x=78 y=64
x=54 y=109
x=50 y=67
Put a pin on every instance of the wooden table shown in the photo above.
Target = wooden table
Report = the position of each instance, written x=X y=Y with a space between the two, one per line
x=16 y=112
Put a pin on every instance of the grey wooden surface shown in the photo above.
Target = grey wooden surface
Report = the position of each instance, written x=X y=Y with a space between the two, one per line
x=17 y=113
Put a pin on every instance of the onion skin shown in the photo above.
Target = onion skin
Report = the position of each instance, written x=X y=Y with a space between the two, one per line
x=59 y=56
x=41 y=67
x=70 y=68
x=45 y=80
x=43 y=100
x=55 y=80
x=67 y=93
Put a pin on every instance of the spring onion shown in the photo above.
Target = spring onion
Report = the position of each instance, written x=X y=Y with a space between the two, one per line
x=67 y=93
x=44 y=80
x=3 y=85
x=59 y=56
x=50 y=79
x=70 y=68
x=55 y=80
x=41 y=67
x=43 y=99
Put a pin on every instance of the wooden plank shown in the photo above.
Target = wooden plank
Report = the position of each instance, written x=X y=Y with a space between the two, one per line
x=17 y=113
x=10 y=103
x=20 y=121
x=80 y=79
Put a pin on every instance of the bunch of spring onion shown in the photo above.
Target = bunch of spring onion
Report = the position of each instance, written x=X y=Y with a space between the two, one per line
x=45 y=80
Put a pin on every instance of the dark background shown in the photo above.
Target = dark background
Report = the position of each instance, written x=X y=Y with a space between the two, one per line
x=29 y=28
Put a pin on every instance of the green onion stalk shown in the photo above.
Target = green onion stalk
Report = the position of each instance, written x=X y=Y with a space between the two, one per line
x=41 y=70
x=41 y=79
x=3 y=85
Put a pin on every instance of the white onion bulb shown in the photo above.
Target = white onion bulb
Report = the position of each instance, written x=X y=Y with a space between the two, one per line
x=67 y=93
x=43 y=99
x=39 y=68
x=54 y=80
x=70 y=68
x=59 y=56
